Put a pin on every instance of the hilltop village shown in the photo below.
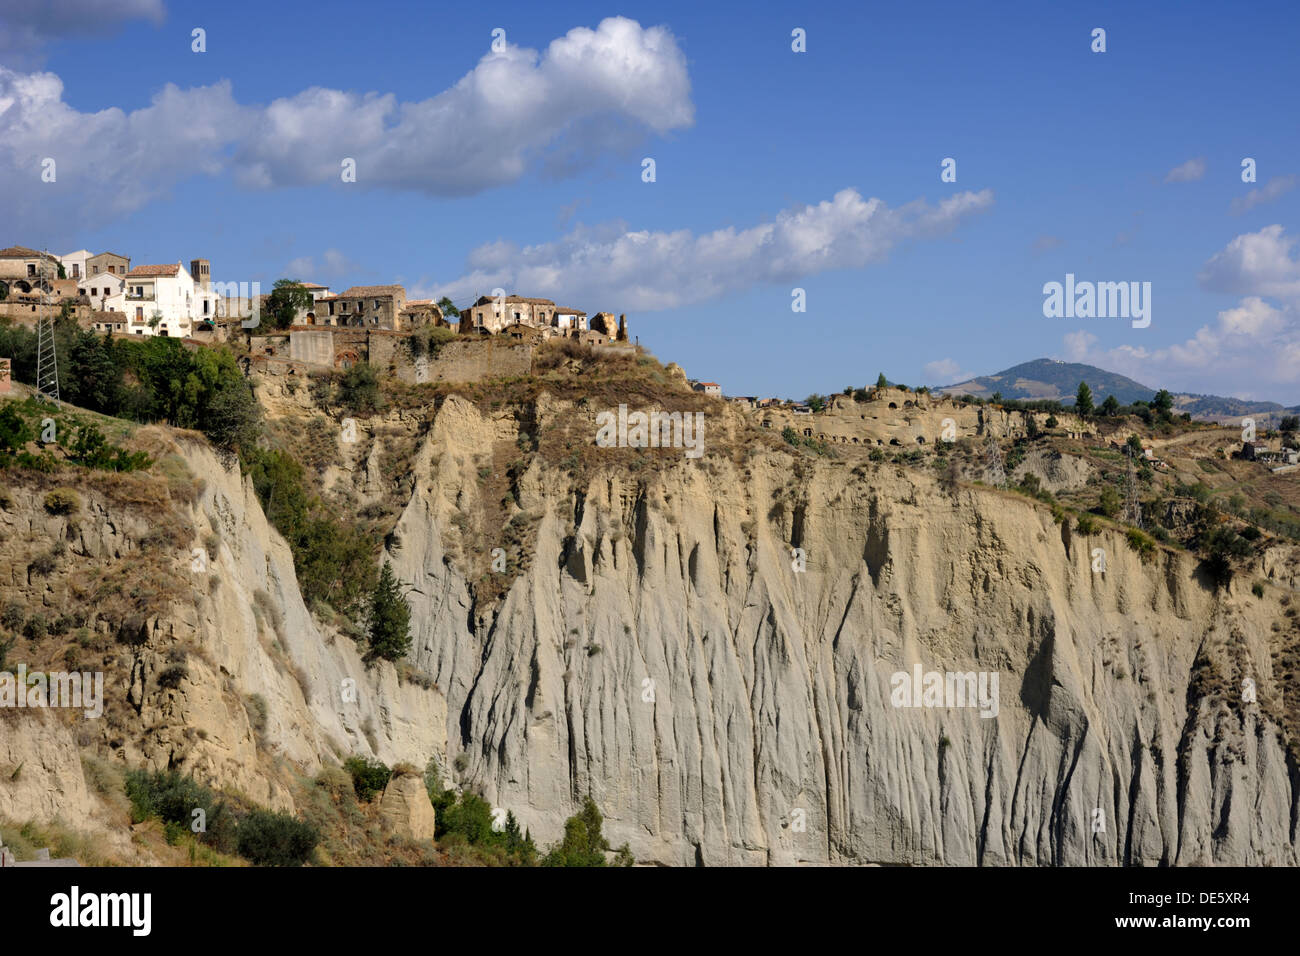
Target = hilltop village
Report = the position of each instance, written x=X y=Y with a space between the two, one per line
x=298 y=326
x=303 y=327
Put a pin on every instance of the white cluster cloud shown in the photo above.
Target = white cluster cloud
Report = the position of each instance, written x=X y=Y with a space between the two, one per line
x=600 y=86
x=588 y=93
x=1256 y=263
x=1251 y=350
x=1188 y=172
x=652 y=270
x=106 y=163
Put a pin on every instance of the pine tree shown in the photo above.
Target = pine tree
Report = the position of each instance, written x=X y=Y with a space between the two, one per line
x=389 y=618
x=1083 y=400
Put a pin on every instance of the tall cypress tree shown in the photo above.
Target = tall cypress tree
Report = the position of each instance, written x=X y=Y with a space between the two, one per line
x=389 y=618
x=1083 y=400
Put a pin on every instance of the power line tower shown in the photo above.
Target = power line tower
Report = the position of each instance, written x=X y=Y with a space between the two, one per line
x=1132 y=505
x=47 y=358
x=994 y=473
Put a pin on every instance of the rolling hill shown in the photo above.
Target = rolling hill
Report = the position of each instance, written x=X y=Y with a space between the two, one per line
x=1053 y=380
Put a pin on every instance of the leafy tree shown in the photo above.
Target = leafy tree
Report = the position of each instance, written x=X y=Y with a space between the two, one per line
x=359 y=388
x=1163 y=403
x=1109 y=504
x=369 y=777
x=448 y=310
x=288 y=297
x=1031 y=425
x=15 y=432
x=1134 y=446
x=233 y=419
x=1083 y=400
x=815 y=402
x=1051 y=421
x=881 y=381
x=1289 y=424
x=388 y=617
x=1222 y=546
x=1110 y=407
x=470 y=816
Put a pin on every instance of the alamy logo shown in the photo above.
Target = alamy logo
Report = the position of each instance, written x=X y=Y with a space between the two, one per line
x=246 y=299
x=1098 y=300
x=949 y=689
x=132 y=910
x=651 y=430
x=77 y=691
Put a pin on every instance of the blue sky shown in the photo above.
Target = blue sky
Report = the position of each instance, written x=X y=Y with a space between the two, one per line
x=774 y=170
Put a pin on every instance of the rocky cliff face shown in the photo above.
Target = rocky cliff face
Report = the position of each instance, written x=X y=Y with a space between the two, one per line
x=661 y=652
x=221 y=680
x=652 y=644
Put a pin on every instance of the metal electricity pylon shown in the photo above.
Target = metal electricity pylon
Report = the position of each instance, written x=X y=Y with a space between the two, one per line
x=47 y=357
x=994 y=473
x=1132 y=505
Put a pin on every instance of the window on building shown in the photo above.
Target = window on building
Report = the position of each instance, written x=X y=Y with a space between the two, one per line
x=376 y=305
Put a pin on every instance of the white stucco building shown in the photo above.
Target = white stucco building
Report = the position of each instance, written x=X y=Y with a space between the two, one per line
x=74 y=263
x=163 y=300
x=105 y=292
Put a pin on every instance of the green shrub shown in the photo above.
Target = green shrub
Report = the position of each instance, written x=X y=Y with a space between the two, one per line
x=368 y=777
x=1143 y=545
x=1086 y=525
x=1257 y=589
x=583 y=843
x=63 y=501
x=267 y=838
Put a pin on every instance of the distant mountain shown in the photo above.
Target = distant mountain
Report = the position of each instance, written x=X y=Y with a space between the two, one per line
x=1059 y=381
x=1050 y=379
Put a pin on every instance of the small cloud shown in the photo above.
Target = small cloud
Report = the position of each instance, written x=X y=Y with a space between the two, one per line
x=1188 y=172
x=1047 y=243
x=945 y=370
x=1078 y=344
x=568 y=211
x=331 y=265
x=1276 y=187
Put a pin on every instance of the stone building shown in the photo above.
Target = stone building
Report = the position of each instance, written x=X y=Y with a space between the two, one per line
x=363 y=307
x=20 y=268
x=109 y=262
x=494 y=314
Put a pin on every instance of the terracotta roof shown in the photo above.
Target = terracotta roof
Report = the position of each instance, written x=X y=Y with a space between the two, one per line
x=567 y=311
x=710 y=384
x=113 y=254
x=312 y=285
x=411 y=302
x=145 y=272
x=18 y=252
x=364 y=291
